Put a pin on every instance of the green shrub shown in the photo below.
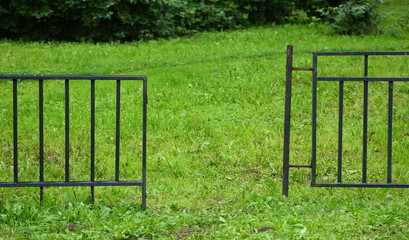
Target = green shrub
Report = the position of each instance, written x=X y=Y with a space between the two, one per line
x=355 y=17
x=108 y=20
x=123 y=20
x=205 y=15
x=103 y=20
x=311 y=7
x=266 y=11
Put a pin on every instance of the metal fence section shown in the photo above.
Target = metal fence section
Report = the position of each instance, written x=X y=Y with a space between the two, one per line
x=341 y=80
x=67 y=182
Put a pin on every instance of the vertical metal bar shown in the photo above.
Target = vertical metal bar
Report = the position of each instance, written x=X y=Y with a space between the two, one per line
x=15 y=131
x=365 y=124
x=67 y=130
x=390 y=119
x=314 y=121
x=92 y=121
x=144 y=138
x=340 y=128
x=118 y=128
x=287 y=120
x=41 y=132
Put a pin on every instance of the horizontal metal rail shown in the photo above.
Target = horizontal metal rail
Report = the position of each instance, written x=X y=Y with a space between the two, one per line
x=73 y=77
x=300 y=166
x=362 y=79
x=67 y=181
x=360 y=53
x=71 y=184
x=362 y=185
x=301 y=69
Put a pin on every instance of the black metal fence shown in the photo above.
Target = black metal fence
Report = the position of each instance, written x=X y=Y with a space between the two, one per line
x=341 y=80
x=67 y=182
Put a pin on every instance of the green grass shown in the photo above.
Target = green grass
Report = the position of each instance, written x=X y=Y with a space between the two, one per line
x=396 y=17
x=215 y=134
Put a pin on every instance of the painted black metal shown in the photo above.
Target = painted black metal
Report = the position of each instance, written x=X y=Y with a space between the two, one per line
x=362 y=79
x=362 y=185
x=67 y=182
x=144 y=139
x=340 y=128
x=359 y=53
x=365 y=123
x=15 y=130
x=300 y=166
x=67 y=130
x=314 y=120
x=73 y=77
x=41 y=132
x=71 y=184
x=390 y=122
x=92 y=140
x=315 y=79
x=302 y=69
x=287 y=120
x=118 y=128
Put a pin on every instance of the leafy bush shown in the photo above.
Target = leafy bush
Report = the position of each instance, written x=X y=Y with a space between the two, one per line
x=204 y=15
x=110 y=20
x=266 y=11
x=103 y=20
x=355 y=17
x=311 y=7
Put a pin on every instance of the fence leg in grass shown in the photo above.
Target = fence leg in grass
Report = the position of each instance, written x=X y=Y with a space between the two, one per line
x=19 y=79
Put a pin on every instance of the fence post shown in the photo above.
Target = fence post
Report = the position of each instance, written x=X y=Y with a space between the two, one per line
x=144 y=139
x=287 y=118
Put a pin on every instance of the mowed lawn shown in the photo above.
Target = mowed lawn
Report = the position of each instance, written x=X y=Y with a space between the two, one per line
x=215 y=137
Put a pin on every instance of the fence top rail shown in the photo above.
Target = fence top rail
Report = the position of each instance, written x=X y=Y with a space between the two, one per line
x=365 y=79
x=358 y=53
x=73 y=77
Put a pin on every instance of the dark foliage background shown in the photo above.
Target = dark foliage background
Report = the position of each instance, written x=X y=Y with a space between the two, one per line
x=127 y=20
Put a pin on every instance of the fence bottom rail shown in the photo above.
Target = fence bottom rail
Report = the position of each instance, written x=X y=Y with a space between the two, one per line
x=362 y=185
x=71 y=184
